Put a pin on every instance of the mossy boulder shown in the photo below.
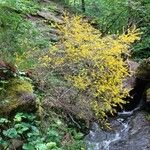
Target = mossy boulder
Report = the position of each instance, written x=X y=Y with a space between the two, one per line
x=16 y=95
x=18 y=86
x=143 y=71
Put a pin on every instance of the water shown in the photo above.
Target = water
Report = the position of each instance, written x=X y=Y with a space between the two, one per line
x=99 y=139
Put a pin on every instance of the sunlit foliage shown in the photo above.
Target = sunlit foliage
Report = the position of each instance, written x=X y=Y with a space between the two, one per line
x=18 y=35
x=92 y=63
x=112 y=16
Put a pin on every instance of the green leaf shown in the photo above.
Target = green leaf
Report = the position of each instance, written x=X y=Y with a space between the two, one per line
x=19 y=116
x=51 y=145
x=28 y=147
x=21 y=128
x=11 y=133
x=3 y=143
x=53 y=133
x=4 y=120
x=79 y=136
x=41 y=147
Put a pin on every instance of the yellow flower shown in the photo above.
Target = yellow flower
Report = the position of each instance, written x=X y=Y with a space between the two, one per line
x=92 y=63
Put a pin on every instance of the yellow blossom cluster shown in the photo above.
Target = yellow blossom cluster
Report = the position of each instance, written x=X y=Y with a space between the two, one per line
x=92 y=63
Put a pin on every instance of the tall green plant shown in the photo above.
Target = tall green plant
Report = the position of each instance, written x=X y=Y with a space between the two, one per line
x=114 y=16
x=12 y=24
x=17 y=34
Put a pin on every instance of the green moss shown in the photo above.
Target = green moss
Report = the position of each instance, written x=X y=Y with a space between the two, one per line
x=147 y=117
x=18 y=86
x=13 y=93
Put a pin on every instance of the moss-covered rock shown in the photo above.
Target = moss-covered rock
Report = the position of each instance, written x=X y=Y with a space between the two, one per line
x=18 y=95
x=18 y=86
x=143 y=71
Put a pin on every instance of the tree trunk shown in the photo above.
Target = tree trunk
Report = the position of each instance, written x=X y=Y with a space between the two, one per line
x=83 y=6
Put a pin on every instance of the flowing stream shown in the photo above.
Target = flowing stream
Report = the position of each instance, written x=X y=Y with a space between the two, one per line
x=98 y=139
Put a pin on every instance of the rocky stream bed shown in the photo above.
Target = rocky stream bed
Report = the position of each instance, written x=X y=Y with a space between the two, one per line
x=128 y=133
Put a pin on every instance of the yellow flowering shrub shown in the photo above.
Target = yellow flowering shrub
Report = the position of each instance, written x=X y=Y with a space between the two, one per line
x=91 y=63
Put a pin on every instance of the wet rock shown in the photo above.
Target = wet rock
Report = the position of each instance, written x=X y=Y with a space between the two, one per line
x=129 y=83
x=138 y=137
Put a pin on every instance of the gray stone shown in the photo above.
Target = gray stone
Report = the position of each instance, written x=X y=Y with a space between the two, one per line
x=50 y=17
x=53 y=31
x=138 y=137
x=129 y=82
x=54 y=38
